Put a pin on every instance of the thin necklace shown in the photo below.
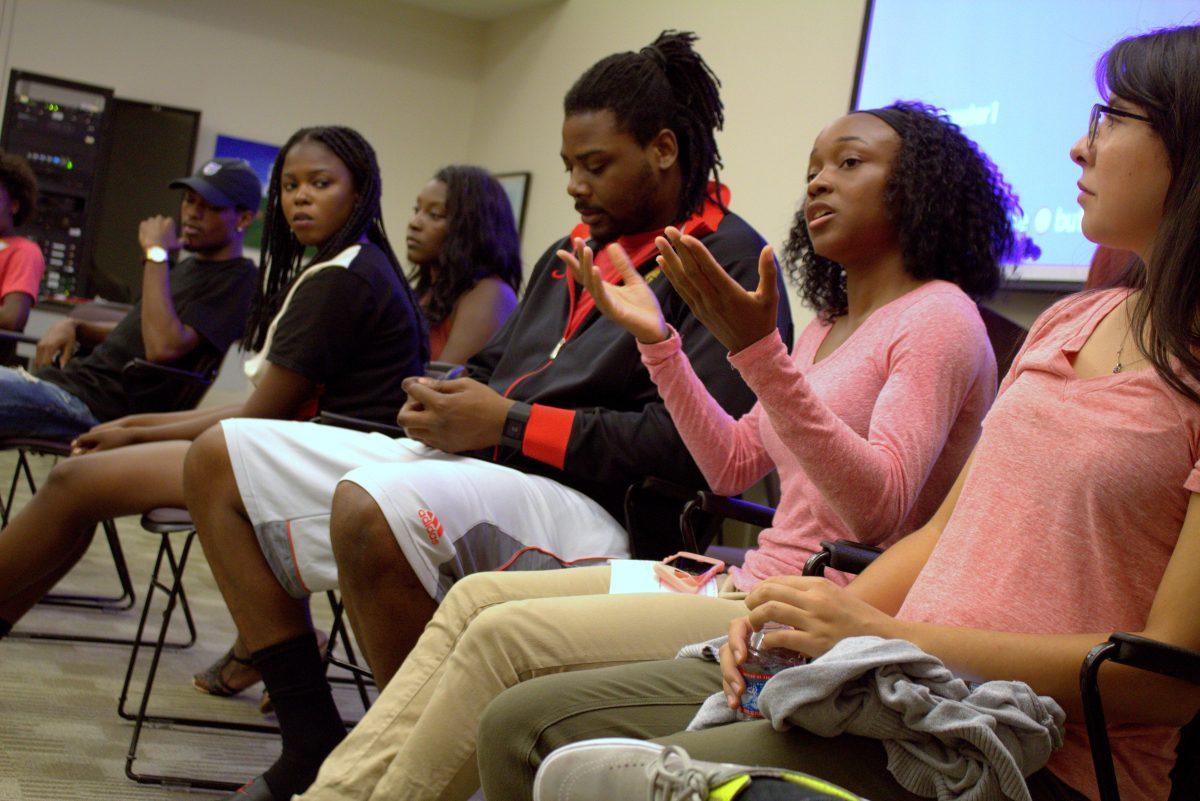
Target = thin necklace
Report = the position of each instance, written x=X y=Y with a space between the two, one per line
x=1121 y=350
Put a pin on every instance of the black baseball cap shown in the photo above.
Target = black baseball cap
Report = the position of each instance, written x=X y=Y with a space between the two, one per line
x=225 y=183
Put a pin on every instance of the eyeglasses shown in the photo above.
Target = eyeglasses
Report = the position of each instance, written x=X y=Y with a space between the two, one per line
x=1100 y=110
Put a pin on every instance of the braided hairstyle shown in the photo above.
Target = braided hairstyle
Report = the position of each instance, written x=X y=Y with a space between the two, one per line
x=664 y=85
x=20 y=183
x=283 y=255
x=952 y=208
x=481 y=241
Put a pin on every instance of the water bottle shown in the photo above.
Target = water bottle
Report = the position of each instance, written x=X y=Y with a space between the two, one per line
x=760 y=665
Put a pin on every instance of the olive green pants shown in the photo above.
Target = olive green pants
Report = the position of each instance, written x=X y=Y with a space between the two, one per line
x=656 y=701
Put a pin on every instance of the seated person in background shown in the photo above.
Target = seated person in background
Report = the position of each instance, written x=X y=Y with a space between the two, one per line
x=1077 y=514
x=847 y=419
x=187 y=313
x=21 y=263
x=339 y=332
x=462 y=240
x=525 y=464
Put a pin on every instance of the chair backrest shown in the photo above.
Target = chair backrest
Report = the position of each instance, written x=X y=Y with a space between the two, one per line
x=1006 y=337
x=1185 y=778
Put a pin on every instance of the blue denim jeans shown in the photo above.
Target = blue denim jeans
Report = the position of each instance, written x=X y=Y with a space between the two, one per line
x=33 y=408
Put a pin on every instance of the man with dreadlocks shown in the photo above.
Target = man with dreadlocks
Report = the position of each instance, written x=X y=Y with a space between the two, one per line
x=524 y=464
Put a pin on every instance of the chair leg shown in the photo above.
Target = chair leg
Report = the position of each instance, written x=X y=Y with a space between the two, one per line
x=22 y=468
x=359 y=675
x=174 y=593
x=121 y=602
x=114 y=543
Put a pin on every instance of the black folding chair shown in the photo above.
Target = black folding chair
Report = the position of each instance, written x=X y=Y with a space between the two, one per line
x=167 y=578
x=191 y=388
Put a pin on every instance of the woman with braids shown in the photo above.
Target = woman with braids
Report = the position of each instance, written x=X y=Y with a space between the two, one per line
x=847 y=420
x=462 y=240
x=1076 y=515
x=339 y=331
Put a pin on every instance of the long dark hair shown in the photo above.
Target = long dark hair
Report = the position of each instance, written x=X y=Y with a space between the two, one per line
x=282 y=253
x=1160 y=72
x=664 y=85
x=951 y=207
x=481 y=241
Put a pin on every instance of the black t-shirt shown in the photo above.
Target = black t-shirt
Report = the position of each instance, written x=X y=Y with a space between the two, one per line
x=213 y=297
x=351 y=328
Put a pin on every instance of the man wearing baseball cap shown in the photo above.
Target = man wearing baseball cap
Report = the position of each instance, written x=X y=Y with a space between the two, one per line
x=191 y=309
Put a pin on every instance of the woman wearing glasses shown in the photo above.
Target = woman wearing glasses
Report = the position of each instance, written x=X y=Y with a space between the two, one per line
x=1077 y=514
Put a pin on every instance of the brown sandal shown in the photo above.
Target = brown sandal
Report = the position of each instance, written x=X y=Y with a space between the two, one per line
x=212 y=680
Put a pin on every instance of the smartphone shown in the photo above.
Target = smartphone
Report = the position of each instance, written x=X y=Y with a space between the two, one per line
x=687 y=572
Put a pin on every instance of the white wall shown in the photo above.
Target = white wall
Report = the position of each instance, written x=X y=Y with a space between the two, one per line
x=428 y=89
x=786 y=67
x=407 y=78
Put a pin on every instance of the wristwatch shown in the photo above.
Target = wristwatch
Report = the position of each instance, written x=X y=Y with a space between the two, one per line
x=513 y=433
x=157 y=254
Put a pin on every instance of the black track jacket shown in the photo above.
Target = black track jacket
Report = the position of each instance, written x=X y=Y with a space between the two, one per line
x=598 y=424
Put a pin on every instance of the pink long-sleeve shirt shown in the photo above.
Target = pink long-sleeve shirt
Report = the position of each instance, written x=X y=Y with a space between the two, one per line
x=867 y=441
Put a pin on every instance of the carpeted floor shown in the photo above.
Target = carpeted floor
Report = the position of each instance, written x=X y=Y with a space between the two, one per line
x=60 y=736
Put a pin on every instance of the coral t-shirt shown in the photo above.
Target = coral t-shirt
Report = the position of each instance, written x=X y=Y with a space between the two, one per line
x=21 y=266
x=1068 y=518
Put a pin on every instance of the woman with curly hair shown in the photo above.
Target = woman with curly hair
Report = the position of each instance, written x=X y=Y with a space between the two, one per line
x=462 y=241
x=867 y=422
x=1076 y=515
x=21 y=262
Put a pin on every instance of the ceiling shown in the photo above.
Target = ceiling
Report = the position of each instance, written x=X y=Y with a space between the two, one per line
x=483 y=10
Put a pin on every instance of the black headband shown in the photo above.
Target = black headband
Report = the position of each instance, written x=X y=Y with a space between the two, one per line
x=894 y=117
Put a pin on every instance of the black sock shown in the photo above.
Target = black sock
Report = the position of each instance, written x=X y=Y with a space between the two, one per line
x=5 y=628
x=294 y=673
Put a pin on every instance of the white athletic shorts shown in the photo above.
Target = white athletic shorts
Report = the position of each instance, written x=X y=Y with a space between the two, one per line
x=452 y=515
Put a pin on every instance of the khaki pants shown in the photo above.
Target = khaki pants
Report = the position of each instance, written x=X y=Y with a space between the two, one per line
x=657 y=700
x=493 y=631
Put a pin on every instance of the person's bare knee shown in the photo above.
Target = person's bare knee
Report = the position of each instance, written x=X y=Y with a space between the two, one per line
x=359 y=532
x=210 y=487
x=207 y=469
x=69 y=489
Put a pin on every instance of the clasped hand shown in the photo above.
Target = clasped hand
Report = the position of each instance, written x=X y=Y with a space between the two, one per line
x=457 y=415
x=820 y=613
x=106 y=436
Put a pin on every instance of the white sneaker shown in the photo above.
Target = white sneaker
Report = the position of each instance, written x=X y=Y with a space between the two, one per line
x=620 y=769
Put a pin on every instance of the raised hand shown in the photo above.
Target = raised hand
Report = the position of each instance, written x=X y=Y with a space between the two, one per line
x=734 y=316
x=631 y=304
x=158 y=231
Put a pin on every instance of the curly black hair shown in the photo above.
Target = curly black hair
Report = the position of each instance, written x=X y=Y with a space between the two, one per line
x=20 y=183
x=481 y=241
x=950 y=204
